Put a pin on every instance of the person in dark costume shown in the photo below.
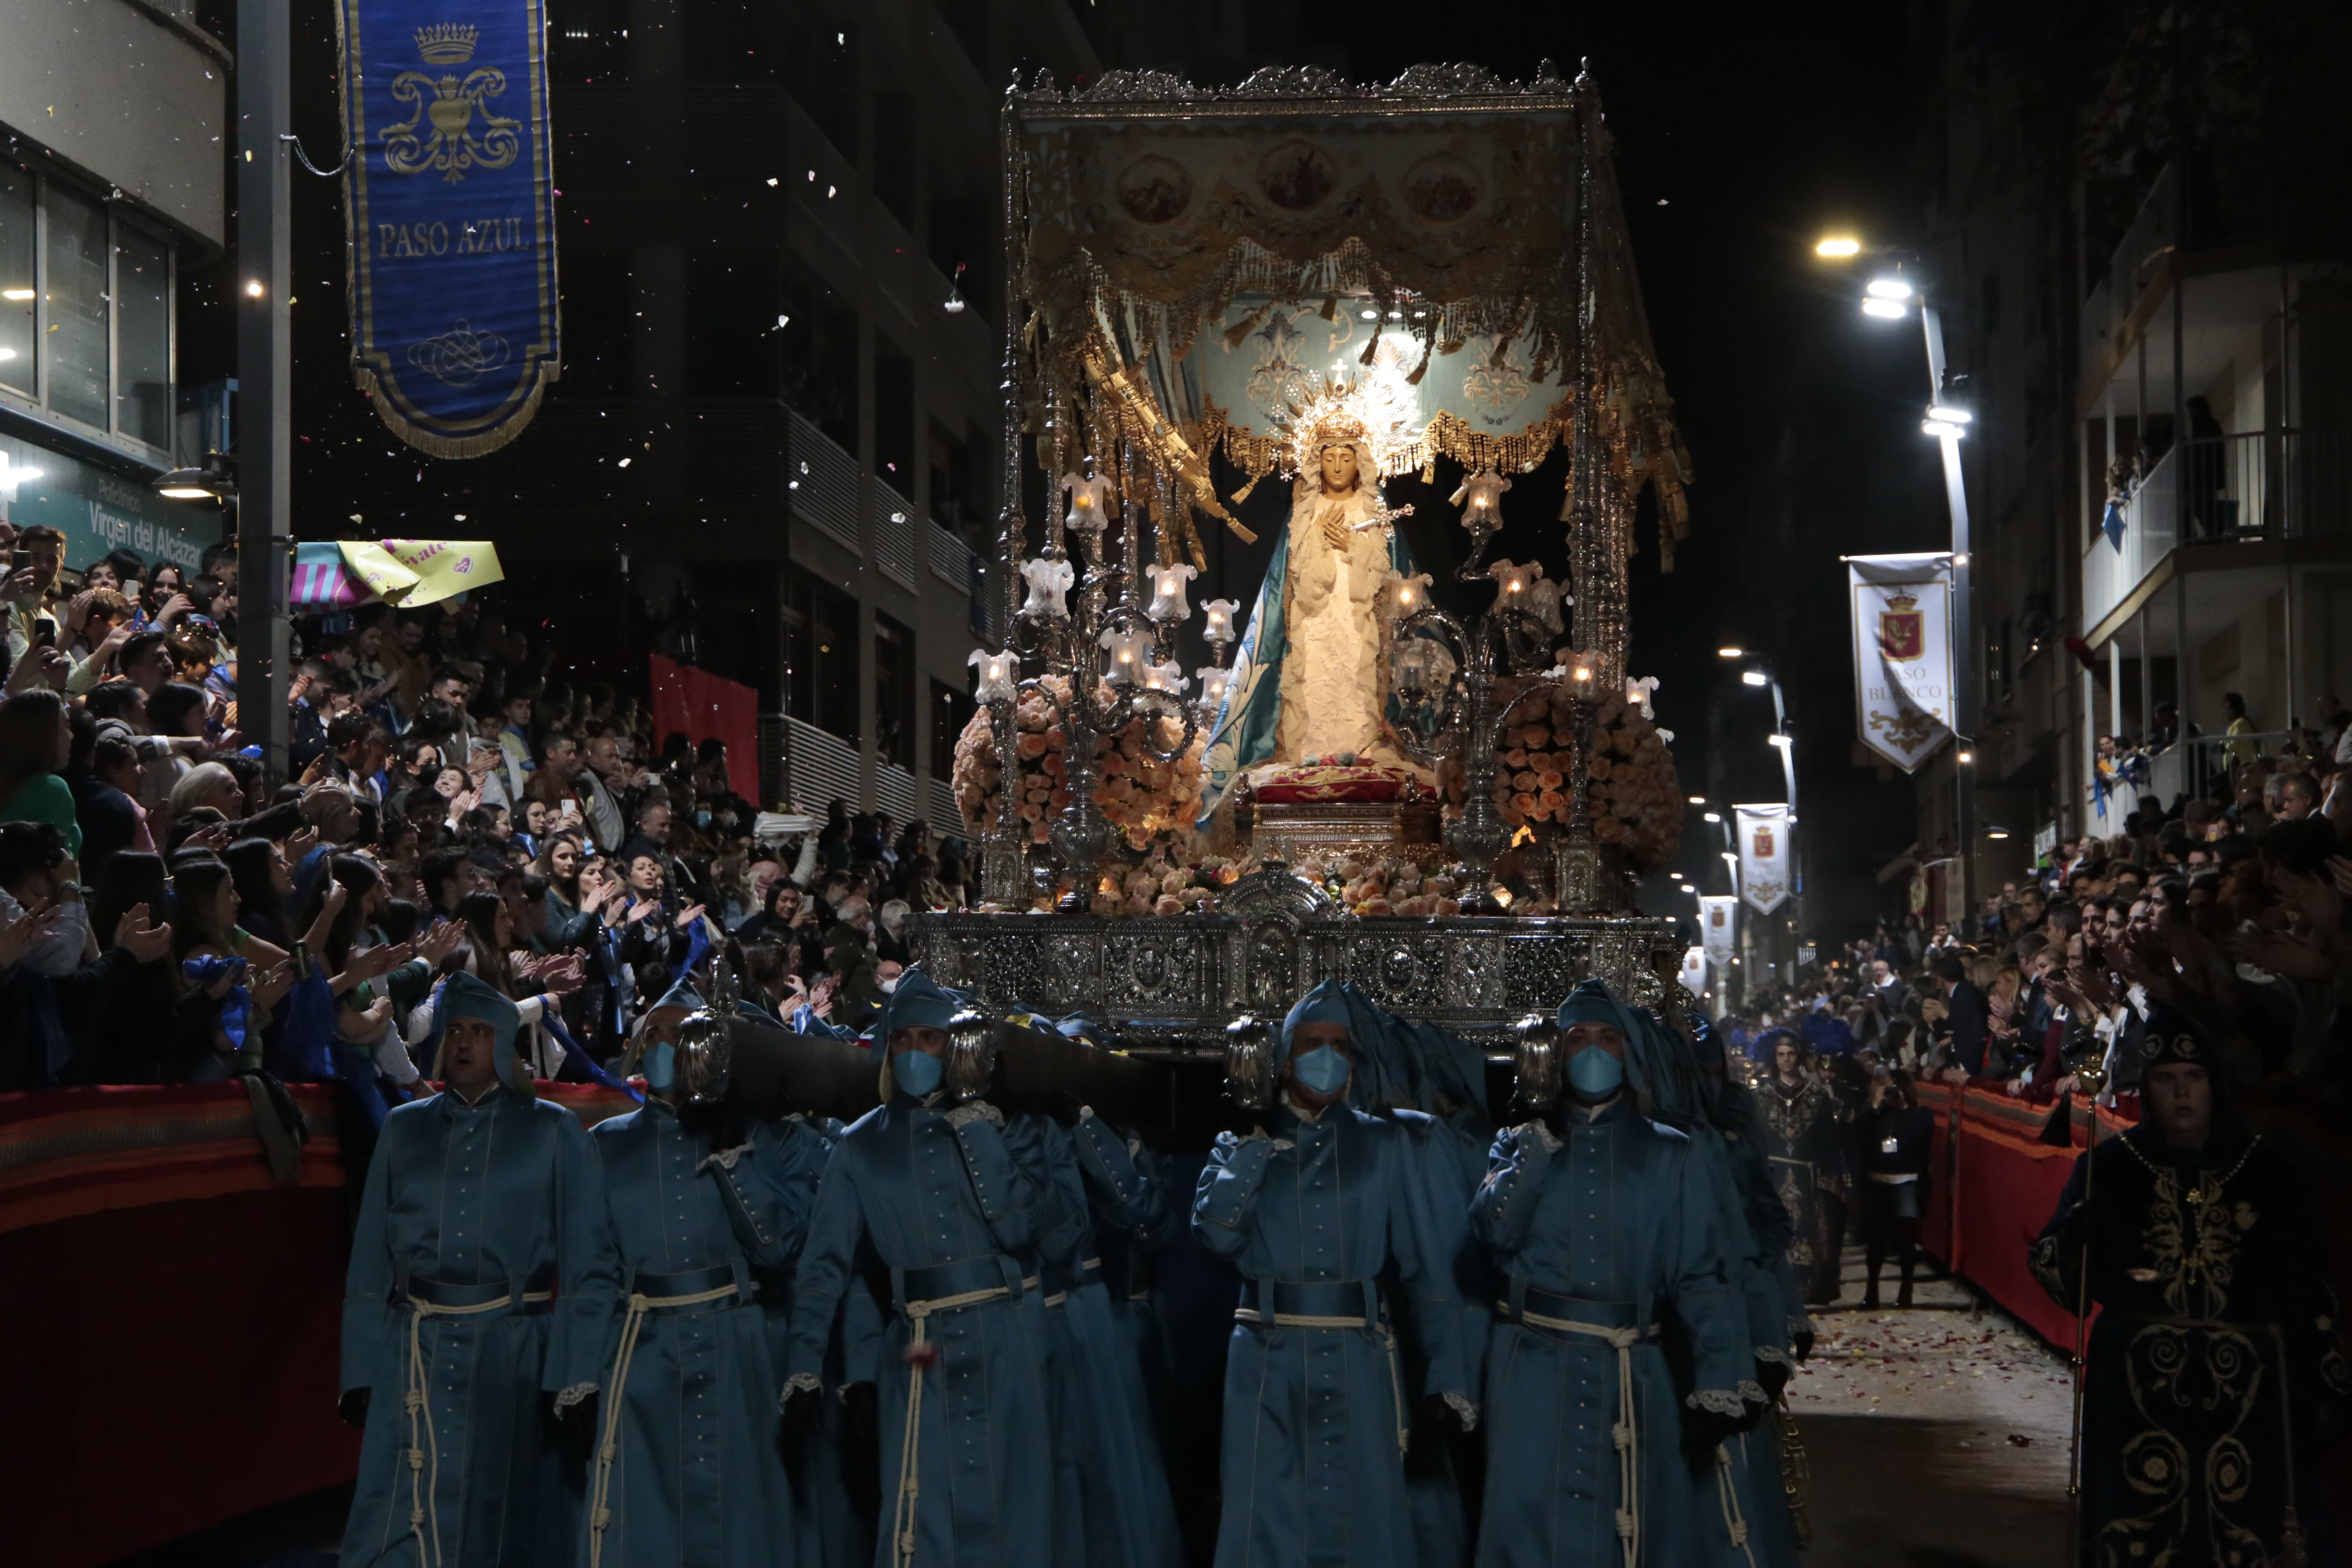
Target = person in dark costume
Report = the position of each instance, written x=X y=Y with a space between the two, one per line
x=1805 y=1145
x=1899 y=1138
x=2216 y=1368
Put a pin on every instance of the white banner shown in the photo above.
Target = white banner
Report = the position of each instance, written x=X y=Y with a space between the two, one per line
x=1764 y=859
x=1902 y=654
x=1694 y=976
x=1718 y=928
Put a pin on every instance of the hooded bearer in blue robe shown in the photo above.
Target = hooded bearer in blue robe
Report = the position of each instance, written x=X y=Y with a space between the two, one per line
x=474 y=1312
x=940 y=1198
x=706 y=1217
x=1316 y=1208
x=1603 y=1230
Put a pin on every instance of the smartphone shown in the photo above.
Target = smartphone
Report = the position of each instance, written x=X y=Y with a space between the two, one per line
x=20 y=559
x=571 y=809
x=44 y=633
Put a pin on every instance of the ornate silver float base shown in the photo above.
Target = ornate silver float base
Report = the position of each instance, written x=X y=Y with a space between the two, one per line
x=1175 y=982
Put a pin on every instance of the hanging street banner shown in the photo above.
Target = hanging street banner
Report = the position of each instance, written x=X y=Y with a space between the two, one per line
x=1902 y=654
x=1764 y=855
x=1716 y=928
x=449 y=216
x=1694 y=974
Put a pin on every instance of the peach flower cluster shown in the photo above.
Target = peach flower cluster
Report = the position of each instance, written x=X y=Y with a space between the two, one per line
x=1636 y=799
x=1146 y=799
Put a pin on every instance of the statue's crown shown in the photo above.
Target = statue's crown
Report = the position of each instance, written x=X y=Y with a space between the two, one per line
x=446 y=43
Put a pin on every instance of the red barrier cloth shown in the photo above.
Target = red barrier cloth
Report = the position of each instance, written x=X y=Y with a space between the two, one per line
x=1997 y=1184
x=171 y=1322
x=698 y=704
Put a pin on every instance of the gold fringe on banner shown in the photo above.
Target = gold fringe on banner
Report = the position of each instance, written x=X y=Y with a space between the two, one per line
x=434 y=445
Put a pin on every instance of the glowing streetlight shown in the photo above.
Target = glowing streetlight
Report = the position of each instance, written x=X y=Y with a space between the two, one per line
x=1731 y=653
x=1838 y=247
x=1698 y=800
x=1754 y=677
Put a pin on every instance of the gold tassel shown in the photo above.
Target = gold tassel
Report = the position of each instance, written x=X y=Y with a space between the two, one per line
x=1330 y=312
x=1242 y=494
x=1246 y=325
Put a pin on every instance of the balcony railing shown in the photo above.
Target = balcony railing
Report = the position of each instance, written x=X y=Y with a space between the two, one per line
x=2258 y=485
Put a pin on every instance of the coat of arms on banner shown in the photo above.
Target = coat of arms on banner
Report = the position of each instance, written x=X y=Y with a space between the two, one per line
x=1903 y=629
x=1762 y=844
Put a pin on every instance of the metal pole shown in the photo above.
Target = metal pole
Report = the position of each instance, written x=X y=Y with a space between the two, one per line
x=1963 y=627
x=265 y=360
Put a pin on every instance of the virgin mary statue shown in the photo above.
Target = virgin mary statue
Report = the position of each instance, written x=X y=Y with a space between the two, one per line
x=1309 y=694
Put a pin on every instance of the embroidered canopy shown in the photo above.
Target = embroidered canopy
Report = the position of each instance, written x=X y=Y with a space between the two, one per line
x=1196 y=264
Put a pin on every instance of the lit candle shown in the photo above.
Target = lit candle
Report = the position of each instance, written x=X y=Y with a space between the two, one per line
x=1169 y=676
x=1483 y=493
x=1219 y=613
x=1127 y=652
x=1048 y=581
x=1517 y=581
x=1402 y=595
x=1168 y=591
x=1214 y=679
x=998 y=672
x=1089 y=503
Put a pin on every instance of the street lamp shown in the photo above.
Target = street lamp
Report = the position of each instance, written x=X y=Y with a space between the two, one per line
x=1731 y=653
x=211 y=482
x=1888 y=298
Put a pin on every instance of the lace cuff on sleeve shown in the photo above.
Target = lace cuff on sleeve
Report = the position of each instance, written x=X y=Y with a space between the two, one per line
x=1723 y=1402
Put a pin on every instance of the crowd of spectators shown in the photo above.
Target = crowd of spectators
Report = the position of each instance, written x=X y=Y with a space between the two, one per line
x=2232 y=905
x=455 y=802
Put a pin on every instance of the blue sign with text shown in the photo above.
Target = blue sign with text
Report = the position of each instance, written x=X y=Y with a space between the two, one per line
x=449 y=216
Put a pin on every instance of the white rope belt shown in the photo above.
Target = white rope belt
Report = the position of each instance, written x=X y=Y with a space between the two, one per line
x=1626 y=1432
x=1388 y=1342
x=902 y=1513
x=1727 y=1498
x=609 y=1450
x=424 y=1483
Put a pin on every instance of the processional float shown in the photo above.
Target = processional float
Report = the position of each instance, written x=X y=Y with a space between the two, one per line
x=1305 y=281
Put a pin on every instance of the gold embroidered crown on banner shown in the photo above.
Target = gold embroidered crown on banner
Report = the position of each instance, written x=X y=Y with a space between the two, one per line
x=1899 y=602
x=446 y=43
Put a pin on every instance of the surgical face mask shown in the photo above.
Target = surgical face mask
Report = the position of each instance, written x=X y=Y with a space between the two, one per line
x=661 y=1067
x=918 y=1072
x=1322 y=1069
x=889 y=986
x=1595 y=1074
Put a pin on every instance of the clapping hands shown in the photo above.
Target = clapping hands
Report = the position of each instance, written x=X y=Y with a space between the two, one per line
x=145 y=943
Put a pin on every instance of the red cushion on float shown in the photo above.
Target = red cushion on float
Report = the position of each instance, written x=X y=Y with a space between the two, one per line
x=1331 y=782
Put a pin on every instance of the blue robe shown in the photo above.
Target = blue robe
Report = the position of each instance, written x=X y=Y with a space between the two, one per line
x=1620 y=1216
x=844 y=1530
x=1124 y=1514
x=695 y=1480
x=918 y=1186
x=1134 y=1223
x=1440 y=1188
x=501 y=1199
x=1316 y=1418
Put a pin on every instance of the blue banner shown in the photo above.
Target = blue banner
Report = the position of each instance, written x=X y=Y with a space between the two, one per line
x=449 y=216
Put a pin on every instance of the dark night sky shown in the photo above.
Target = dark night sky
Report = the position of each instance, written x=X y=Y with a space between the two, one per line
x=1739 y=139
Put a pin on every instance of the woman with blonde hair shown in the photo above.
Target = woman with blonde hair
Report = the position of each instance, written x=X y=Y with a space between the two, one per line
x=212 y=784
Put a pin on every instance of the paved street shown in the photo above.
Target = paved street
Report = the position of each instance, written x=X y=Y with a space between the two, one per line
x=1935 y=1440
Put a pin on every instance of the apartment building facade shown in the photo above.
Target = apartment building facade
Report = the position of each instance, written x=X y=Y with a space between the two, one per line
x=774 y=449
x=112 y=181
x=2151 y=322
